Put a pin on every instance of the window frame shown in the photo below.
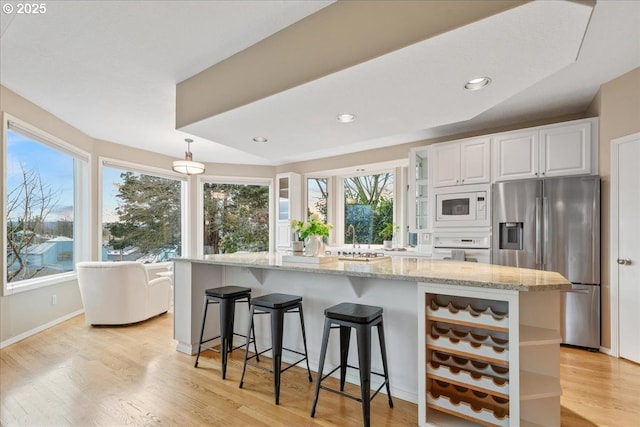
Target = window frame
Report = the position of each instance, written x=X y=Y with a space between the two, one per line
x=82 y=201
x=240 y=180
x=127 y=166
x=398 y=167
x=340 y=201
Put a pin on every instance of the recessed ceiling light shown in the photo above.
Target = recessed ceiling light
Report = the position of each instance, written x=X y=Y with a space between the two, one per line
x=260 y=139
x=477 y=83
x=346 y=118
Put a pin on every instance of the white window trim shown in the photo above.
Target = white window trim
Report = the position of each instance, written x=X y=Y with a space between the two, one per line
x=82 y=205
x=398 y=200
x=220 y=179
x=147 y=170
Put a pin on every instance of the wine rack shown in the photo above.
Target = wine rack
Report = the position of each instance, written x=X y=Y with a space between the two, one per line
x=488 y=357
x=467 y=358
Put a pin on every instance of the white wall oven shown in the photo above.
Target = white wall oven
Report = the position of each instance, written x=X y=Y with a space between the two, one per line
x=462 y=206
x=470 y=246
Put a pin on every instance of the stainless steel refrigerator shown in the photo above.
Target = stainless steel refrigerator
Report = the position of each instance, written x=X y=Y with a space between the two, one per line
x=554 y=224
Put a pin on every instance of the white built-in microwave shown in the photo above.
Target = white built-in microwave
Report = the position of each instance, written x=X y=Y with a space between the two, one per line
x=462 y=206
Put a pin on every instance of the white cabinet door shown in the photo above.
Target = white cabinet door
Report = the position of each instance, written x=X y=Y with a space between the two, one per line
x=418 y=189
x=446 y=164
x=474 y=161
x=515 y=155
x=283 y=234
x=288 y=207
x=566 y=150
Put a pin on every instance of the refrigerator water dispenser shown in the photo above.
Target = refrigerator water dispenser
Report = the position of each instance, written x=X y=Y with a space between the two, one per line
x=511 y=235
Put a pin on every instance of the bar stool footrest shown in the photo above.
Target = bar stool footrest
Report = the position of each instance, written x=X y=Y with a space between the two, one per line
x=217 y=350
x=255 y=356
x=350 y=396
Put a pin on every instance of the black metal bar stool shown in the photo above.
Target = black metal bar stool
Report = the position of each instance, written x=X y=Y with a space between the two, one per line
x=227 y=297
x=277 y=305
x=362 y=318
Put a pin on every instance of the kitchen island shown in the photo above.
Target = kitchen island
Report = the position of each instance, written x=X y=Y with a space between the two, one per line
x=444 y=322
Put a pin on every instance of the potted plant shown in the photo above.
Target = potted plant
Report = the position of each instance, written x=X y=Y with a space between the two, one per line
x=387 y=234
x=312 y=232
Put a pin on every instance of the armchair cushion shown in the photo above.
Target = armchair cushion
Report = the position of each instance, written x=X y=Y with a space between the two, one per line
x=119 y=293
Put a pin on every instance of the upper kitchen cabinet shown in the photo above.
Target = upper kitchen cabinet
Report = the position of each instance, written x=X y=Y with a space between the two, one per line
x=289 y=194
x=461 y=162
x=546 y=151
x=418 y=200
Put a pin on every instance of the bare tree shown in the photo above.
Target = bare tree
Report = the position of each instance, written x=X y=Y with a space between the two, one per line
x=28 y=204
x=367 y=189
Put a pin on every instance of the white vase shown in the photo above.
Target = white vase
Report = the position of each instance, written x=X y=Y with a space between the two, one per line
x=314 y=246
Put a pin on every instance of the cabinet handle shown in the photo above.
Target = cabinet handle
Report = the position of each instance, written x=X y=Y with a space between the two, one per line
x=624 y=261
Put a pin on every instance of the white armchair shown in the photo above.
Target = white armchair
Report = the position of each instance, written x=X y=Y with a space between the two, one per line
x=119 y=293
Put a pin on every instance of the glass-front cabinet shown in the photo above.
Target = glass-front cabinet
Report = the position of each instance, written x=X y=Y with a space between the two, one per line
x=289 y=195
x=419 y=205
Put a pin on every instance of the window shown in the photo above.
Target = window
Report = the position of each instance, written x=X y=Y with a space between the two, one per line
x=235 y=218
x=317 y=196
x=45 y=186
x=368 y=207
x=141 y=214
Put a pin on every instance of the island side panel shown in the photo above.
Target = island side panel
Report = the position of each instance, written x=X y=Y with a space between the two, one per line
x=320 y=291
x=191 y=281
x=540 y=358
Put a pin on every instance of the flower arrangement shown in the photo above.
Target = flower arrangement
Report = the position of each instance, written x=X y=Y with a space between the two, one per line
x=314 y=227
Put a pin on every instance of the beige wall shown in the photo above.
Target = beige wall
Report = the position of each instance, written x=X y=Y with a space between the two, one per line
x=618 y=105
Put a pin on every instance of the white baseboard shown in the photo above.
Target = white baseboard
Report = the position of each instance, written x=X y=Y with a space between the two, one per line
x=607 y=351
x=40 y=328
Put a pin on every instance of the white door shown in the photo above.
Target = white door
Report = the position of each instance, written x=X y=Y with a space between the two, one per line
x=627 y=261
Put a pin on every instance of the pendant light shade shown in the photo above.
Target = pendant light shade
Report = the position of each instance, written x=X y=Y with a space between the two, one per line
x=188 y=166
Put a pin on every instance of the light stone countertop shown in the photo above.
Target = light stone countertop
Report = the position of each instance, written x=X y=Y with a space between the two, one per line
x=404 y=268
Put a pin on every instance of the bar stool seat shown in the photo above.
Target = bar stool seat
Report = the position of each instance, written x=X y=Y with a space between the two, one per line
x=362 y=318
x=276 y=305
x=226 y=297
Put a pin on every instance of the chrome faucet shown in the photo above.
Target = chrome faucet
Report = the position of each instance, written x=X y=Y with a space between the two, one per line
x=353 y=235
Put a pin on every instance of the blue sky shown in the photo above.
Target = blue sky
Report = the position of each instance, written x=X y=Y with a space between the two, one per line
x=56 y=172
x=55 y=168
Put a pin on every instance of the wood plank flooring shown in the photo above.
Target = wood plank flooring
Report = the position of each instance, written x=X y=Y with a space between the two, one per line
x=77 y=375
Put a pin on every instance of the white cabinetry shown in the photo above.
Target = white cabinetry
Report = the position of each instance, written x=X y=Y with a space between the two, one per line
x=289 y=195
x=488 y=356
x=547 y=151
x=418 y=200
x=461 y=162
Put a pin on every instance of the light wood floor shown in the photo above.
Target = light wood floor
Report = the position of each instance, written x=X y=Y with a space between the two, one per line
x=75 y=374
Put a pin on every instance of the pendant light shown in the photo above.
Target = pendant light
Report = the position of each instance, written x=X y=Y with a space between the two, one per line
x=188 y=166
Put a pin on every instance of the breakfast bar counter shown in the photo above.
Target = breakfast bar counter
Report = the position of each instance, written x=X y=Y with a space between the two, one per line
x=463 y=339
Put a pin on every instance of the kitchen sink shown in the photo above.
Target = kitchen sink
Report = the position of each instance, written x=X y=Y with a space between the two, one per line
x=362 y=257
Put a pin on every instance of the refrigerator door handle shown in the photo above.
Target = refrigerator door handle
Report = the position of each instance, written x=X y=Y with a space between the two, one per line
x=538 y=231
x=545 y=225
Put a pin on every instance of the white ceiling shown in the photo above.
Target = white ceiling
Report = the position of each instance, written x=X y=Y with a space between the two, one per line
x=111 y=68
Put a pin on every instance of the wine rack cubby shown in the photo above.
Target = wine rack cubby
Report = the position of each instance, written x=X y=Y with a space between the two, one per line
x=467 y=348
x=488 y=357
